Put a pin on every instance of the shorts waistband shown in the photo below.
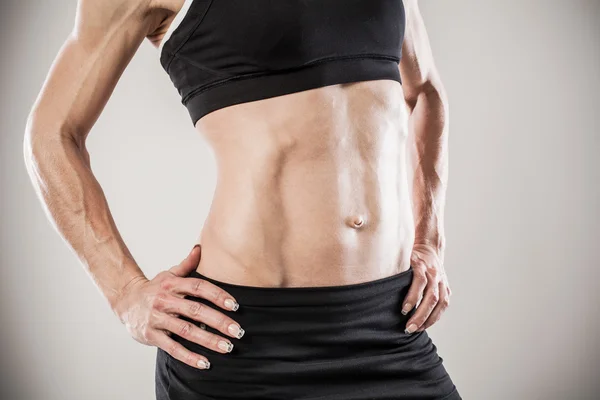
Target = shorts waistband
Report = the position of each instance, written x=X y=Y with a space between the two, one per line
x=312 y=295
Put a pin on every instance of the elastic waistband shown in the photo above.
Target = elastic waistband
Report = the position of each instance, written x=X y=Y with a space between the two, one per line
x=312 y=295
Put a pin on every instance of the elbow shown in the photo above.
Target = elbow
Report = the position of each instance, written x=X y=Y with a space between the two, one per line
x=35 y=142
x=33 y=148
x=44 y=136
x=47 y=148
x=41 y=145
x=431 y=97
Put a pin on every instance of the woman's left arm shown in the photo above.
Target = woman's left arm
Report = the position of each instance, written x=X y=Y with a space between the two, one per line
x=426 y=100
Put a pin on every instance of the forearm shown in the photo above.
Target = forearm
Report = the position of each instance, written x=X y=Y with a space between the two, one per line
x=429 y=156
x=75 y=203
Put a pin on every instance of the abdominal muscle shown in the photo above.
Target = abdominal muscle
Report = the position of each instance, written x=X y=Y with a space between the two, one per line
x=312 y=188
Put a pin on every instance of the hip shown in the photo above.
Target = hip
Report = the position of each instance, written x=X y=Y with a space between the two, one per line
x=330 y=342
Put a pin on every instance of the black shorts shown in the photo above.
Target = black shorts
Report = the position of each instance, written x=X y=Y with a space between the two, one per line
x=313 y=343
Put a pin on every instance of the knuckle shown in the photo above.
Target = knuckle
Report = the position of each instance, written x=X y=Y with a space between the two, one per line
x=198 y=285
x=166 y=284
x=219 y=294
x=214 y=341
x=190 y=358
x=435 y=297
x=222 y=321
x=185 y=329
x=414 y=292
x=159 y=301
x=413 y=298
x=196 y=309
x=421 y=277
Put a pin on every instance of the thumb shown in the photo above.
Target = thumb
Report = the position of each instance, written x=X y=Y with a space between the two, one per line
x=189 y=264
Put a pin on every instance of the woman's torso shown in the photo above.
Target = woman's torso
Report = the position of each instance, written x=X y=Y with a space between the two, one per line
x=296 y=170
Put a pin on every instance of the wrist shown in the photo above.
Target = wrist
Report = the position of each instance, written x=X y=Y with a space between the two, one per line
x=433 y=243
x=119 y=301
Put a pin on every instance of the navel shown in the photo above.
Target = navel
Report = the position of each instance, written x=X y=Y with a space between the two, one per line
x=355 y=221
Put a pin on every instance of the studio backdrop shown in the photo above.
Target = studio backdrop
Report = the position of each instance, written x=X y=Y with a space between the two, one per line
x=522 y=211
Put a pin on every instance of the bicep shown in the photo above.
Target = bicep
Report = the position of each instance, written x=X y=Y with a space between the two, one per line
x=417 y=67
x=105 y=36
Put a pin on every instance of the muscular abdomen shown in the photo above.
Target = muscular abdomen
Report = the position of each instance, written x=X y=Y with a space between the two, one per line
x=312 y=188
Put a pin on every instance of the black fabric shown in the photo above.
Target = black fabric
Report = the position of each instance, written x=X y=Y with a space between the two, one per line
x=228 y=52
x=307 y=343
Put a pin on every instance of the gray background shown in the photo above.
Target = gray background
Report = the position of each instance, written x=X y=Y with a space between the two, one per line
x=522 y=208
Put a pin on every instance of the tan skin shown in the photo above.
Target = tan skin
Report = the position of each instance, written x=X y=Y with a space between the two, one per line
x=313 y=187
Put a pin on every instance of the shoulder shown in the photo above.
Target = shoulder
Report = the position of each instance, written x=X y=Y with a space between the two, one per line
x=137 y=15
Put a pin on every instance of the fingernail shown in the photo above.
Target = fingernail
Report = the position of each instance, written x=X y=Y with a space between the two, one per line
x=232 y=304
x=227 y=346
x=406 y=308
x=236 y=331
x=411 y=328
x=203 y=364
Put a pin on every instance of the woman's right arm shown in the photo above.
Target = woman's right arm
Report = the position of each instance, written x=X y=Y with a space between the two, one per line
x=105 y=36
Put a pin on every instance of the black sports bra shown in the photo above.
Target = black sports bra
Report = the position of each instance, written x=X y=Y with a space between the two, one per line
x=224 y=52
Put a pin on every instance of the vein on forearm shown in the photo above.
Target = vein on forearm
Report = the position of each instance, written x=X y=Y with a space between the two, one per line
x=429 y=120
x=77 y=207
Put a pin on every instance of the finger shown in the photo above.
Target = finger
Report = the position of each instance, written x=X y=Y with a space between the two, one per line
x=430 y=300
x=203 y=313
x=201 y=288
x=176 y=350
x=440 y=307
x=189 y=264
x=419 y=282
x=191 y=332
